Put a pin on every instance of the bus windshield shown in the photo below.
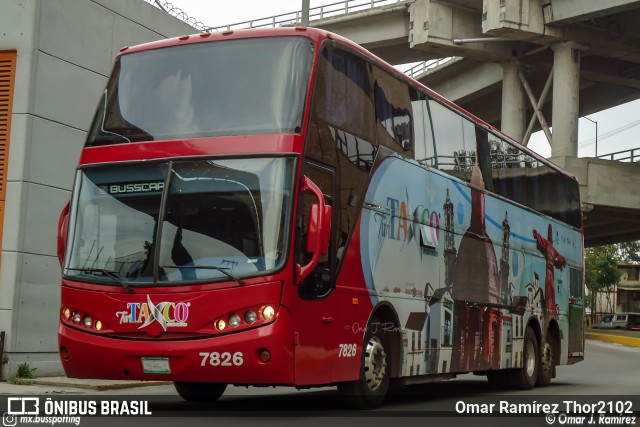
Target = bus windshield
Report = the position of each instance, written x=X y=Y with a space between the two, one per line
x=209 y=220
x=235 y=87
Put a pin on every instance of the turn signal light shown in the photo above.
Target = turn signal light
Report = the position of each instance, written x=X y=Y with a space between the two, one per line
x=268 y=312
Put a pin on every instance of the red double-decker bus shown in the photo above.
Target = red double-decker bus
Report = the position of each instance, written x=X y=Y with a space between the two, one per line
x=281 y=207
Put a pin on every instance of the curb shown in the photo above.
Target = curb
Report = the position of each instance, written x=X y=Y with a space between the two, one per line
x=629 y=341
x=89 y=386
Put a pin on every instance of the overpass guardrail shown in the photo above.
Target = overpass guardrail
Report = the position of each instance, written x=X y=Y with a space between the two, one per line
x=629 y=156
x=315 y=13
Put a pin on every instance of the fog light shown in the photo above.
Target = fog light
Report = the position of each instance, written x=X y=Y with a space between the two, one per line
x=98 y=325
x=76 y=317
x=265 y=356
x=64 y=353
x=268 y=312
x=220 y=325
x=234 y=321
x=66 y=313
x=87 y=321
x=250 y=317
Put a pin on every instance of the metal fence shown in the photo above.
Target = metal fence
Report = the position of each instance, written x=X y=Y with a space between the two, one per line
x=422 y=68
x=285 y=19
x=629 y=156
x=315 y=14
x=169 y=8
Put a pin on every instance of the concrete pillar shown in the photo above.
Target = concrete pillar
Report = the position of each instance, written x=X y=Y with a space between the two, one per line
x=566 y=107
x=513 y=101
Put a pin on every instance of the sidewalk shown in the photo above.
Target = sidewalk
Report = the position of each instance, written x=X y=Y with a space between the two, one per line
x=61 y=385
x=610 y=337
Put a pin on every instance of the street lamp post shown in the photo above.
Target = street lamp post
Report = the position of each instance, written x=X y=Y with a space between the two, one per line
x=305 y=13
x=596 y=123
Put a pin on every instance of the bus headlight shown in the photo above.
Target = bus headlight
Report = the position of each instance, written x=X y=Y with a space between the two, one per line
x=87 y=321
x=76 y=317
x=234 y=320
x=66 y=313
x=250 y=317
x=220 y=325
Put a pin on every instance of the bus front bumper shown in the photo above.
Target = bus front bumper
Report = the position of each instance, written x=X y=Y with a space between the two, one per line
x=236 y=358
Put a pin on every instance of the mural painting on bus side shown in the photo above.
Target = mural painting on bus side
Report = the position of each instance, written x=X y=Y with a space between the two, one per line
x=469 y=320
x=476 y=277
x=554 y=260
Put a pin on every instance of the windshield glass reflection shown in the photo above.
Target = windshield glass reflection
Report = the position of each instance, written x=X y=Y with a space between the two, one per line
x=222 y=219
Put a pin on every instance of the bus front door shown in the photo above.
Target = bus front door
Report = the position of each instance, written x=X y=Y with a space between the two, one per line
x=314 y=331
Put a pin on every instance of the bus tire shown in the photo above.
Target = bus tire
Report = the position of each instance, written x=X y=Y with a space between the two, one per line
x=200 y=392
x=375 y=371
x=547 y=364
x=525 y=378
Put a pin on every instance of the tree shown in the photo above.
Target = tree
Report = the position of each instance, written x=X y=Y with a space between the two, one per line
x=629 y=251
x=601 y=271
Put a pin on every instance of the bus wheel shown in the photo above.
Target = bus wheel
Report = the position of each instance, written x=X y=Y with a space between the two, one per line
x=524 y=378
x=375 y=372
x=199 y=392
x=547 y=367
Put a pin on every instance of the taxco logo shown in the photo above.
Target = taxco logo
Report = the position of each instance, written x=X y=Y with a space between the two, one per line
x=409 y=224
x=167 y=314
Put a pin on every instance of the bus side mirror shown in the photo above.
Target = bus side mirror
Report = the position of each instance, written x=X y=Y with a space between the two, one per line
x=315 y=232
x=318 y=232
x=63 y=226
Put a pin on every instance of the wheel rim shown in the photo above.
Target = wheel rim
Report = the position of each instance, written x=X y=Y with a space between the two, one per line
x=547 y=357
x=375 y=363
x=531 y=359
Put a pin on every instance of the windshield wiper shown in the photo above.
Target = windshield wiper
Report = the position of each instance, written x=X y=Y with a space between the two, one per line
x=209 y=267
x=112 y=275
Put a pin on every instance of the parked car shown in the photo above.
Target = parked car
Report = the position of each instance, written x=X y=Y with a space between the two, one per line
x=633 y=322
x=619 y=321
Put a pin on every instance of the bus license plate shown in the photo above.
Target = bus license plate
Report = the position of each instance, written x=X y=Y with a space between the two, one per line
x=156 y=365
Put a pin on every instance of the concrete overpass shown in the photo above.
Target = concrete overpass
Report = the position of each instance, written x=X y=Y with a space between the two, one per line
x=522 y=66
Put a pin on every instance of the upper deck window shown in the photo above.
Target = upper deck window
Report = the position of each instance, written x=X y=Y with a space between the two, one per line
x=234 y=87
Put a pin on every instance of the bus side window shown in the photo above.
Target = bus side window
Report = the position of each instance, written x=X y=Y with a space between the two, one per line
x=422 y=131
x=342 y=93
x=523 y=179
x=341 y=135
x=455 y=141
x=394 y=127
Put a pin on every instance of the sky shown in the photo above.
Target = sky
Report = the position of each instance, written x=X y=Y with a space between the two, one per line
x=618 y=128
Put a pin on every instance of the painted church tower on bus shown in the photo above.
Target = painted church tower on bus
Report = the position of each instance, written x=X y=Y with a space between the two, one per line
x=476 y=277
